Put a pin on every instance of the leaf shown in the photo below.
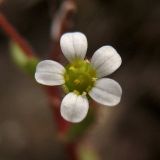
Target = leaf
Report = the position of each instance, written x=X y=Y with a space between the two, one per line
x=86 y=152
x=27 y=64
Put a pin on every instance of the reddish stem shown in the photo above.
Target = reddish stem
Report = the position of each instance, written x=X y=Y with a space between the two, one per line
x=15 y=36
x=61 y=23
x=55 y=101
x=71 y=150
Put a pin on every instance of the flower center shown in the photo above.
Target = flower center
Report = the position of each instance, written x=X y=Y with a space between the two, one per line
x=79 y=76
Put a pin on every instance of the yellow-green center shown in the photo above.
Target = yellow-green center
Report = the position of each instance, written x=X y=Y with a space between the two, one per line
x=79 y=76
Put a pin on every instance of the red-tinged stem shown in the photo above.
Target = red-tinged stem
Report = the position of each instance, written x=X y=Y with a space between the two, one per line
x=56 y=53
x=71 y=150
x=55 y=101
x=11 y=32
x=62 y=125
x=62 y=22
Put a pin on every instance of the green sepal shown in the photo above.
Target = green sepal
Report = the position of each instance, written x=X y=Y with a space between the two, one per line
x=27 y=64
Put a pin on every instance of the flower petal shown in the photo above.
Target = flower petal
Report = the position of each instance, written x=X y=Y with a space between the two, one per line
x=74 y=45
x=74 y=108
x=49 y=73
x=106 y=60
x=106 y=91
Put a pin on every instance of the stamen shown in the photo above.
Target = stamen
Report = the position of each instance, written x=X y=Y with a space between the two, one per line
x=76 y=92
x=77 y=81
x=66 y=90
x=94 y=79
x=84 y=94
x=72 y=68
x=80 y=77
x=87 y=61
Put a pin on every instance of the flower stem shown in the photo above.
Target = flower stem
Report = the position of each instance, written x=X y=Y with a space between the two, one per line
x=71 y=149
x=61 y=23
x=15 y=36
x=54 y=100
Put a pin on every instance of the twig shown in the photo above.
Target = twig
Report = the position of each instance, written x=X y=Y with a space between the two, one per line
x=15 y=36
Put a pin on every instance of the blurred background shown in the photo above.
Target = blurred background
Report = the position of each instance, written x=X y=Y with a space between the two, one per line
x=129 y=131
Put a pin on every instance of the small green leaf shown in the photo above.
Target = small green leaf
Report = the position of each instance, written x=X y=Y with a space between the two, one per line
x=86 y=152
x=27 y=64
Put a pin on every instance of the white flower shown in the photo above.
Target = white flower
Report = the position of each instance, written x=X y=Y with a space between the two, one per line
x=81 y=78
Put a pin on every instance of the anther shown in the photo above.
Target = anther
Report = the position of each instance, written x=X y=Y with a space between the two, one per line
x=84 y=94
x=77 y=81
x=87 y=61
x=72 y=68
x=94 y=79
x=65 y=89
x=76 y=92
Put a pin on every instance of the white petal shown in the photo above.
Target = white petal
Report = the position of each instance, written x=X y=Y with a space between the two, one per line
x=107 y=92
x=106 y=60
x=49 y=73
x=74 y=108
x=74 y=45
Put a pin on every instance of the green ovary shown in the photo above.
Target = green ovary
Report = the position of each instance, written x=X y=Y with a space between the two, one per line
x=79 y=77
